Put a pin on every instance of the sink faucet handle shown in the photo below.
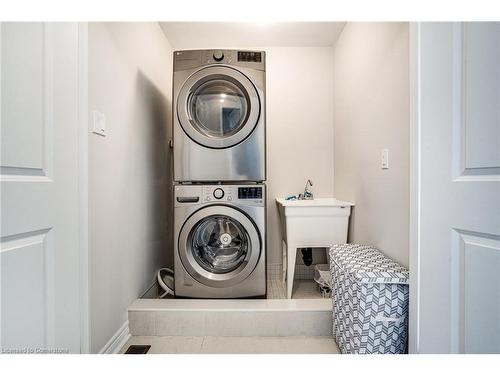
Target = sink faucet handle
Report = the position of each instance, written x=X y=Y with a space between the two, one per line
x=308 y=193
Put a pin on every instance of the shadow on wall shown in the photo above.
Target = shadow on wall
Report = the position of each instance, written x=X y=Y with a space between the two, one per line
x=350 y=225
x=156 y=109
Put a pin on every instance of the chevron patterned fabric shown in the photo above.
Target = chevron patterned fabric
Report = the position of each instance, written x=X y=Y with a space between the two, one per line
x=370 y=301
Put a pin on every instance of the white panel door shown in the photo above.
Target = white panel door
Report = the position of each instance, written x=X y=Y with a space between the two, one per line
x=457 y=270
x=39 y=253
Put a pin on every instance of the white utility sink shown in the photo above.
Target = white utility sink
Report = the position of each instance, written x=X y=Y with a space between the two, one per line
x=311 y=204
x=319 y=222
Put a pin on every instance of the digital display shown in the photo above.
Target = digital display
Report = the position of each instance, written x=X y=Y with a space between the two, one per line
x=248 y=192
x=247 y=56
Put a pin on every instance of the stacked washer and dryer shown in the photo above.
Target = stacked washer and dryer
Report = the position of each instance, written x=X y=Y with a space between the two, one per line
x=219 y=173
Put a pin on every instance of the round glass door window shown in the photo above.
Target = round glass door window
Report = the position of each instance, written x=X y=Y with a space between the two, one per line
x=219 y=244
x=218 y=108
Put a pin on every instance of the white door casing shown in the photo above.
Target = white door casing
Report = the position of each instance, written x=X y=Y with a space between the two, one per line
x=455 y=249
x=40 y=300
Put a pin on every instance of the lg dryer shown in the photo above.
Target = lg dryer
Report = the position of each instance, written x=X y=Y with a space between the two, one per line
x=219 y=116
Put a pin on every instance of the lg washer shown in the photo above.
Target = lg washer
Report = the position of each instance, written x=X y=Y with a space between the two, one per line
x=220 y=241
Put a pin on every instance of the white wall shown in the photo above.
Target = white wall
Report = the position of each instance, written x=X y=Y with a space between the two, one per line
x=370 y=113
x=299 y=128
x=130 y=68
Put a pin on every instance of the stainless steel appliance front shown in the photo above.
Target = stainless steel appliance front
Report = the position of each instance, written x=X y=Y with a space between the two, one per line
x=219 y=116
x=219 y=241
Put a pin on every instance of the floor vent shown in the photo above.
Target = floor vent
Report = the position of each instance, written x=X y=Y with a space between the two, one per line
x=138 y=349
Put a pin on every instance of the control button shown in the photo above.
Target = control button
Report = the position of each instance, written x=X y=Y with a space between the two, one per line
x=229 y=198
x=208 y=198
x=218 y=193
x=218 y=55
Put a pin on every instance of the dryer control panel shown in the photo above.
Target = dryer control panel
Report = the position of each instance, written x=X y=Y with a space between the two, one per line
x=189 y=59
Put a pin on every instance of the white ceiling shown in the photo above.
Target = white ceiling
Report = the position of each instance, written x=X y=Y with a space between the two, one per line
x=185 y=35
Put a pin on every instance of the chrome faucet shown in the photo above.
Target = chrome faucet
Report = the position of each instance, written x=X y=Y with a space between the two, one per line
x=308 y=194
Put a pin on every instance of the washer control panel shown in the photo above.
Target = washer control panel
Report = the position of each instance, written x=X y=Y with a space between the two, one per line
x=196 y=194
x=217 y=193
x=250 y=192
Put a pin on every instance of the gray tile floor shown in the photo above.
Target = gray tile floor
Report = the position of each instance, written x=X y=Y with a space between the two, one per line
x=235 y=345
x=302 y=289
x=276 y=289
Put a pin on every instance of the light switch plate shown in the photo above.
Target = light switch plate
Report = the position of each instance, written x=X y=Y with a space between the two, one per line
x=384 y=158
x=99 y=123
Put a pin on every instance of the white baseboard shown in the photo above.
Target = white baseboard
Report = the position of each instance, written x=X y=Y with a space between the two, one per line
x=116 y=342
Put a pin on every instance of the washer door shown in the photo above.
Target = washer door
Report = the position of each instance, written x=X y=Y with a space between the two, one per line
x=218 y=107
x=219 y=246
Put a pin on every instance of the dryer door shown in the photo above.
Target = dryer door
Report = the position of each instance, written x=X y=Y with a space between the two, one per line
x=219 y=246
x=218 y=107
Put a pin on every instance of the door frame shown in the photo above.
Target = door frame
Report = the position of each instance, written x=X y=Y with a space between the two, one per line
x=83 y=207
x=415 y=212
x=415 y=218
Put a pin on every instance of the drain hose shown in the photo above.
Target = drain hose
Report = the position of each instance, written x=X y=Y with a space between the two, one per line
x=165 y=278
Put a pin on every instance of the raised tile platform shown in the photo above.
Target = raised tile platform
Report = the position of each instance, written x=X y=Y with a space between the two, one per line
x=244 y=317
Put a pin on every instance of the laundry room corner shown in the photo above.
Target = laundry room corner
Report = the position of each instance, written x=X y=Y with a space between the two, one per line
x=303 y=113
x=300 y=131
x=129 y=167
